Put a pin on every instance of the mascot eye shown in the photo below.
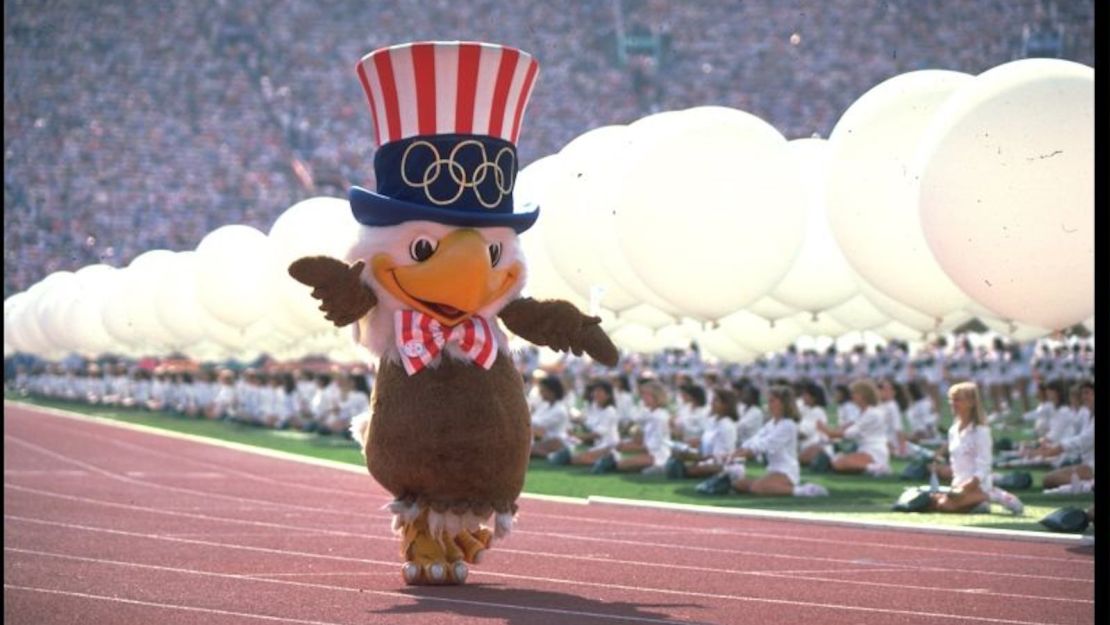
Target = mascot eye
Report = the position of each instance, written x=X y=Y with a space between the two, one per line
x=422 y=248
x=494 y=254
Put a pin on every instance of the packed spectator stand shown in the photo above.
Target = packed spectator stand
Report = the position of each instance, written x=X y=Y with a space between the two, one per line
x=198 y=114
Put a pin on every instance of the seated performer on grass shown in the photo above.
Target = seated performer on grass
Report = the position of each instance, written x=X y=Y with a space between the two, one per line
x=1080 y=445
x=969 y=450
x=921 y=415
x=691 y=415
x=649 y=447
x=811 y=441
x=717 y=444
x=748 y=407
x=550 y=419
x=869 y=431
x=777 y=440
x=598 y=429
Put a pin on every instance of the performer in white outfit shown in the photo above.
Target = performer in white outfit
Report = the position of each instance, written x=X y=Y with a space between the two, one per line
x=550 y=419
x=892 y=402
x=598 y=429
x=1080 y=444
x=921 y=415
x=692 y=415
x=846 y=410
x=225 y=403
x=751 y=415
x=650 y=445
x=777 y=440
x=718 y=442
x=278 y=400
x=352 y=398
x=811 y=440
x=872 y=453
x=969 y=452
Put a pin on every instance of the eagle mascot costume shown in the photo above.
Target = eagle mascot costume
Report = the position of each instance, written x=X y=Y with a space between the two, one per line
x=436 y=264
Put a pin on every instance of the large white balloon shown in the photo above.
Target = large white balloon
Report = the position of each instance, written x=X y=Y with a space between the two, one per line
x=319 y=226
x=572 y=206
x=1020 y=332
x=679 y=335
x=58 y=293
x=758 y=334
x=543 y=280
x=718 y=344
x=900 y=331
x=869 y=189
x=83 y=314
x=1007 y=191
x=771 y=308
x=206 y=351
x=235 y=277
x=13 y=322
x=647 y=316
x=711 y=216
x=129 y=310
x=634 y=337
x=820 y=324
x=897 y=311
x=610 y=176
x=176 y=302
x=858 y=314
x=821 y=277
x=28 y=318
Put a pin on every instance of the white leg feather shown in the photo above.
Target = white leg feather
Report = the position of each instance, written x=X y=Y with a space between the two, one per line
x=504 y=525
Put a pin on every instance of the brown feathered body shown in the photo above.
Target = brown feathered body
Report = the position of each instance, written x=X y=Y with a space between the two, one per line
x=453 y=437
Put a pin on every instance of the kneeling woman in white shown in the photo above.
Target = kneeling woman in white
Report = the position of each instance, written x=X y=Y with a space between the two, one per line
x=869 y=431
x=778 y=441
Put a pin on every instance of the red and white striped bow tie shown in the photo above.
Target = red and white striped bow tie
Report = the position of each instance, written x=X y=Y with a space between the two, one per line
x=420 y=339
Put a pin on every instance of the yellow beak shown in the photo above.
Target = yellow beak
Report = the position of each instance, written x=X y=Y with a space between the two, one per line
x=457 y=281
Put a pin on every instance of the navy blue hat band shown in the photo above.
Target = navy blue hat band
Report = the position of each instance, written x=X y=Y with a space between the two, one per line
x=457 y=172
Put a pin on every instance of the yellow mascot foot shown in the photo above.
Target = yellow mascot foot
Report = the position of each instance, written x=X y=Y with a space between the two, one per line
x=472 y=546
x=429 y=561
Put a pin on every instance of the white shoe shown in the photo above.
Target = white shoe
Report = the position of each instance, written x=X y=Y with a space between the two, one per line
x=878 y=470
x=809 y=489
x=654 y=470
x=1009 y=501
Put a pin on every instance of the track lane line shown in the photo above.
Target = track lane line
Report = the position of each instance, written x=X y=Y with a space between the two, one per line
x=147 y=429
x=170 y=606
x=175 y=538
x=346 y=534
x=383 y=593
x=610 y=586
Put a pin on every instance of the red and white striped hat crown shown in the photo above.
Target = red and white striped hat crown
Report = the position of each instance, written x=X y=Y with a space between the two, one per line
x=447 y=87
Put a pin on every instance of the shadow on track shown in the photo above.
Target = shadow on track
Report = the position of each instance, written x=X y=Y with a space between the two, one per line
x=522 y=606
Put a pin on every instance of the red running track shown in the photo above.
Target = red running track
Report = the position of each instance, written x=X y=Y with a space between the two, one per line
x=104 y=524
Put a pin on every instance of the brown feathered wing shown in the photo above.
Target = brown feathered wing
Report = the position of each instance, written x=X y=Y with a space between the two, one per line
x=561 y=326
x=343 y=296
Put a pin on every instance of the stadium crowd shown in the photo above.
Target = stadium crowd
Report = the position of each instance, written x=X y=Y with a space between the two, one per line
x=131 y=126
x=673 y=414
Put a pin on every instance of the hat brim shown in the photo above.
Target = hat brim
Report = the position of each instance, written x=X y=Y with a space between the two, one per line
x=374 y=209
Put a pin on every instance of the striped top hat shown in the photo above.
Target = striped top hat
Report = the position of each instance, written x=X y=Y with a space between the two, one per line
x=446 y=120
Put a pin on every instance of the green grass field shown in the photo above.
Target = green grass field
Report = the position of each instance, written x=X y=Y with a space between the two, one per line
x=850 y=496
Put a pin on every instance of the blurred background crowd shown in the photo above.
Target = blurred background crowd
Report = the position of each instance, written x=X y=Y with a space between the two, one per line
x=212 y=112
